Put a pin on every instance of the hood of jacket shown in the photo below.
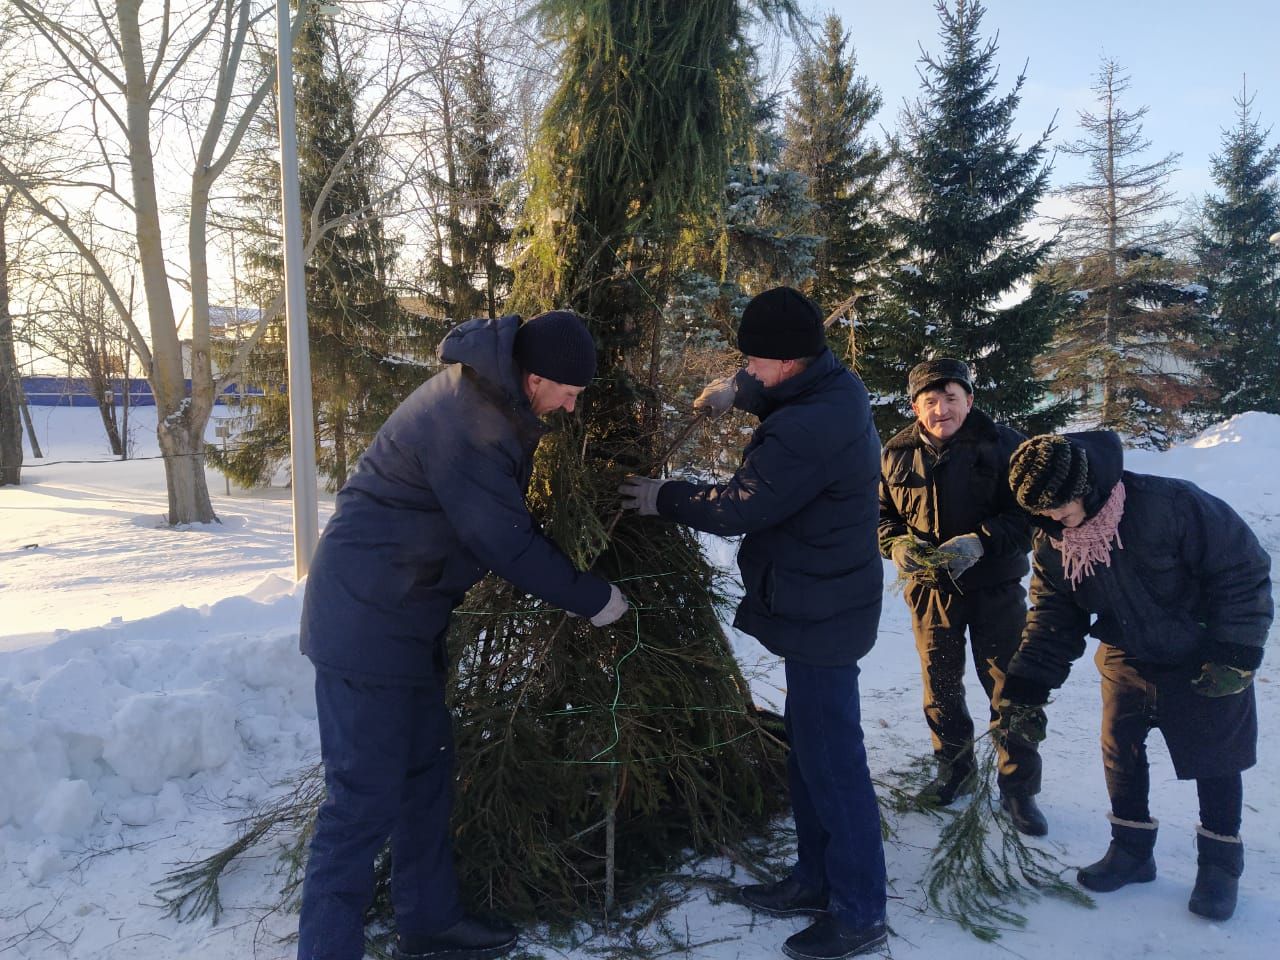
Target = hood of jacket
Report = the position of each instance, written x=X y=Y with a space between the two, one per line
x=1106 y=464
x=487 y=347
x=754 y=397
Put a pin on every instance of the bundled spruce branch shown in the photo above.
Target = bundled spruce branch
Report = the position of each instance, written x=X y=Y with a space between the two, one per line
x=982 y=869
x=927 y=555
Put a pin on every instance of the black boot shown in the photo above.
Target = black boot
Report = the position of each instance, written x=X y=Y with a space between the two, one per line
x=1025 y=814
x=786 y=898
x=468 y=939
x=1219 y=865
x=1127 y=860
x=831 y=939
x=951 y=782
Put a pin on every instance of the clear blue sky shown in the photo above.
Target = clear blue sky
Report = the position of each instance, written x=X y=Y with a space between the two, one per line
x=1185 y=58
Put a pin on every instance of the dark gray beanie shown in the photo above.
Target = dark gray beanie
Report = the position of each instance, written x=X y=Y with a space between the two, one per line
x=781 y=324
x=1048 y=472
x=934 y=373
x=557 y=345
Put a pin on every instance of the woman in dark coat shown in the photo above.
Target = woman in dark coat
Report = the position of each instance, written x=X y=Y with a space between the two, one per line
x=1177 y=588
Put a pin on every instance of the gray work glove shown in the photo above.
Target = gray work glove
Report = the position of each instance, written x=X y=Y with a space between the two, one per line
x=612 y=610
x=903 y=554
x=716 y=397
x=962 y=553
x=641 y=493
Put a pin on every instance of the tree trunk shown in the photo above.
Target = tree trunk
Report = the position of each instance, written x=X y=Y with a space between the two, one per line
x=180 y=419
x=107 y=410
x=183 y=450
x=11 y=398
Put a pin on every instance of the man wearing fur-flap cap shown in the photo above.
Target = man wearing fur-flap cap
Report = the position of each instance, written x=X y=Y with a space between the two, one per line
x=812 y=578
x=436 y=502
x=944 y=494
x=1177 y=588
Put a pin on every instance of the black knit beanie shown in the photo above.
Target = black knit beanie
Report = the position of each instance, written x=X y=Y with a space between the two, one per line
x=1047 y=472
x=781 y=324
x=557 y=345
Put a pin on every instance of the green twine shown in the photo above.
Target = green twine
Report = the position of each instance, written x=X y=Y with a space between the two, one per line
x=617 y=704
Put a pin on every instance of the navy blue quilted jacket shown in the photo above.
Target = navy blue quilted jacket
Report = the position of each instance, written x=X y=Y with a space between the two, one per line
x=806 y=499
x=434 y=503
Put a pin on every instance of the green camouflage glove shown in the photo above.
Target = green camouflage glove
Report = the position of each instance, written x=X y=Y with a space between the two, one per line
x=1220 y=680
x=1026 y=721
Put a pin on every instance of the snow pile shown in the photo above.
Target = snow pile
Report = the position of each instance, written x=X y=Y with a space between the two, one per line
x=114 y=726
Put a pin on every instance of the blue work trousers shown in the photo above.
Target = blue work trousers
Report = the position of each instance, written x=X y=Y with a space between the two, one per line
x=837 y=818
x=388 y=766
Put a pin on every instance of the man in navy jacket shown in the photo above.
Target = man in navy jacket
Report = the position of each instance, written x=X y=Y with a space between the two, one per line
x=805 y=498
x=435 y=502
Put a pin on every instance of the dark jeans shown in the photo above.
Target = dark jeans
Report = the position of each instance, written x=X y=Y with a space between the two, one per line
x=388 y=765
x=1210 y=739
x=994 y=618
x=837 y=818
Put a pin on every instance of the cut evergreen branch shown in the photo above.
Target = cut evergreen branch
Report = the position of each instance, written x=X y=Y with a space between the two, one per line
x=933 y=560
x=191 y=890
x=982 y=869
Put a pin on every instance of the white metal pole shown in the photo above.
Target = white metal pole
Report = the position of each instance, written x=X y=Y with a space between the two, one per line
x=302 y=441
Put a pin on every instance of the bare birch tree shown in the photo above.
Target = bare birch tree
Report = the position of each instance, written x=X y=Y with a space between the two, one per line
x=148 y=91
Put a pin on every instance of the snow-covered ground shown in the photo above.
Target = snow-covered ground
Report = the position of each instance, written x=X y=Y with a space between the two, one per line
x=151 y=691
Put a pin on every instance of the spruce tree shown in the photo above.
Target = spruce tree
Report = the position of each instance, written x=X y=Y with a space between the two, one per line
x=1130 y=336
x=969 y=194
x=827 y=135
x=599 y=758
x=352 y=312
x=1127 y=349
x=477 y=185
x=763 y=239
x=1241 y=270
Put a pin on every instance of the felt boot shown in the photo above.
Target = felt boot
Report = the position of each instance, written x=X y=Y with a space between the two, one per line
x=1219 y=865
x=1128 y=860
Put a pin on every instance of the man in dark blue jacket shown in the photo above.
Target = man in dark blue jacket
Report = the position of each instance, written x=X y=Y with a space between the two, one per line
x=435 y=502
x=805 y=498
x=1177 y=588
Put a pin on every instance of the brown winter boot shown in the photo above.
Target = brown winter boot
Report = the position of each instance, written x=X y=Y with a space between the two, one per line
x=1219 y=866
x=1127 y=860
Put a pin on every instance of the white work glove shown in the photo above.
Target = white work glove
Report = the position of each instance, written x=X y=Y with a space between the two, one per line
x=641 y=493
x=962 y=553
x=716 y=397
x=612 y=610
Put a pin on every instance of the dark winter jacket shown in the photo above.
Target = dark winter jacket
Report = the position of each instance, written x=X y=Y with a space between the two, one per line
x=1189 y=584
x=805 y=498
x=962 y=488
x=435 y=502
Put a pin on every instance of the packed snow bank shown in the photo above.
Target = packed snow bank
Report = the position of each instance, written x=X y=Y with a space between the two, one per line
x=114 y=725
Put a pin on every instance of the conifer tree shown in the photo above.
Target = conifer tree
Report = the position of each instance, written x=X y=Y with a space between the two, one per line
x=1127 y=349
x=827 y=139
x=969 y=195
x=600 y=757
x=353 y=315
x=763 y=239
x=1241 y=270
x=469 y=275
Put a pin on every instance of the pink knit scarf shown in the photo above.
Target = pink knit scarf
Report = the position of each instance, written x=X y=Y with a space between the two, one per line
x=1091 y=542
